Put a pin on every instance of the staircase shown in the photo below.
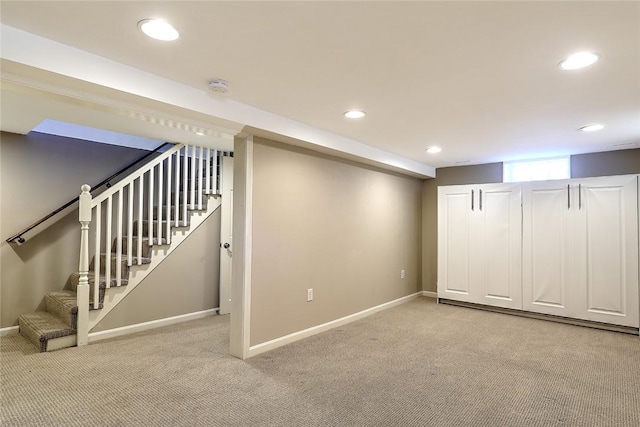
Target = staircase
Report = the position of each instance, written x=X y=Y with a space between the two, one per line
x=131 y=228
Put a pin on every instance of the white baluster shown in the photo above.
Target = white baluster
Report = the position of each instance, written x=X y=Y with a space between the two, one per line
x=215 y=171
x=96 y=257
x=200 y=186
x=107 y=256
x=168 y=208
x=82 y=291
x=159 y=207
x=184 y=185
x=207 y=171
x=176 y=195
x=131 y=186
x=140 y=210
x=119 y=241
x=192 y=179
x=150 y=211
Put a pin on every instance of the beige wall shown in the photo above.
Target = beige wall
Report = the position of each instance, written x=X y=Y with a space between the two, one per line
x=584 y=165
x=619 y=162
x=344 y=229
x=185 y=282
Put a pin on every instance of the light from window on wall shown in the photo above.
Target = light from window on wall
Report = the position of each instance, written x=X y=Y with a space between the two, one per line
x=536 y=170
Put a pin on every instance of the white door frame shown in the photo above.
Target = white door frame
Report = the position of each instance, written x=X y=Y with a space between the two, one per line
x=226 y=234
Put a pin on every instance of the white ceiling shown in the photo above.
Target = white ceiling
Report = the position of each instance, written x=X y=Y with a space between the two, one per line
x=479 y=79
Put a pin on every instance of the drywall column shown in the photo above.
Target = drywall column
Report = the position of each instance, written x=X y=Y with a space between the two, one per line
x=242 y=235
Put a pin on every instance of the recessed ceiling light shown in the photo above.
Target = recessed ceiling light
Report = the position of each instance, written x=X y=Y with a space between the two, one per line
x=354 y=114
x=578 y=60
x=200 y=133
x=592 y=128
x=158 y=29
x=434 y=150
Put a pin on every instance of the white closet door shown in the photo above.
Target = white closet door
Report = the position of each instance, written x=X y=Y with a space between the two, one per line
x=479 y=244
x=607 y=250
x=547 y=253
x=498 y=250
x=454 y=242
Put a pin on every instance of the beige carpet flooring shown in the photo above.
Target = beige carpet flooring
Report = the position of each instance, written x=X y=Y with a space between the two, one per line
x=418 y=364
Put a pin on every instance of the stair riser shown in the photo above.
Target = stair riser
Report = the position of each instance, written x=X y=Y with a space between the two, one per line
x=61 y=311
x=73 y=282
x=124 y=273
x=181 y=195
x=205 y=199
x=146 y=248
x=154 y=229
x=172 y=213
x=62 y=342
x=75 y=278
x=40 y=330
x=195 y=182
x=32 y=336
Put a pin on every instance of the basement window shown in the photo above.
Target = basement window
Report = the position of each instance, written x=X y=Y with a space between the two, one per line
x=536 y=170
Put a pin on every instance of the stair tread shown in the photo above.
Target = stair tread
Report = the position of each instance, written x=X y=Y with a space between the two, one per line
x=65 y=297
x=40 y=326
x=45 y=325
x=64 y=305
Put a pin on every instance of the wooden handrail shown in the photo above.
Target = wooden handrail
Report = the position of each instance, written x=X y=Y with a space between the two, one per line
x=18 y=238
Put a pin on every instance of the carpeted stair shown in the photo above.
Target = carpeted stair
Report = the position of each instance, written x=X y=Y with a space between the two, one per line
x=57 y=322
x=55 y=327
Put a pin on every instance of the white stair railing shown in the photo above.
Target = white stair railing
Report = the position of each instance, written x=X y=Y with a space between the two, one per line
x=151 y=194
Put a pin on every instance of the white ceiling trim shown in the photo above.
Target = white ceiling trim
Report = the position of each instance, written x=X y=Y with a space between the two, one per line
x=29 y=49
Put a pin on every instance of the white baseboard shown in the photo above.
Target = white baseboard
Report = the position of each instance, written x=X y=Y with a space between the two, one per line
x=145 y=326
x=296 y=336
x=11 y=330
x=429 y=294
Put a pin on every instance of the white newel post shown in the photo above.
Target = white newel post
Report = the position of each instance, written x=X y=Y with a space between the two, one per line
x=83 y=284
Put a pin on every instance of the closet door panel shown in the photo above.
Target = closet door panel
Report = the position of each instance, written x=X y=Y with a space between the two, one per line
x=454 y=243
x=607 y=250
x=546 y=248
x=501 y=249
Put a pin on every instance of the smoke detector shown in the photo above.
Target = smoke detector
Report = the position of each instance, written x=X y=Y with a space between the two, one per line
x=219 y=85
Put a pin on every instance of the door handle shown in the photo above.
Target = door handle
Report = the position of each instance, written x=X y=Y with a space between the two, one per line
x=472 y=199
x=480 y=199
x=568 y=196
x=580 y=197
x=227 y=246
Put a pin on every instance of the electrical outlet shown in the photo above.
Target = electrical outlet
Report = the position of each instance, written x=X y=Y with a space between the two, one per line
x=309 y=294
x=402 y=274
